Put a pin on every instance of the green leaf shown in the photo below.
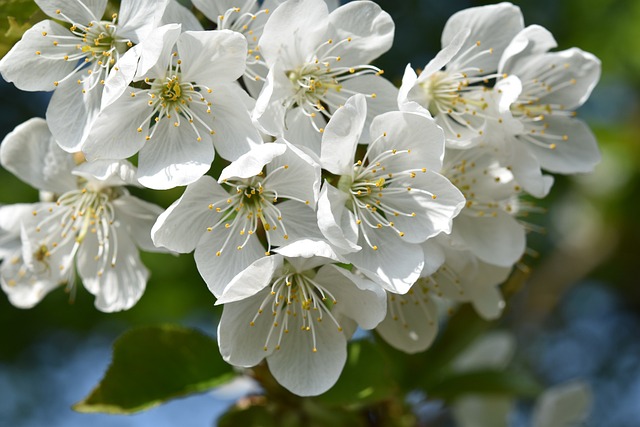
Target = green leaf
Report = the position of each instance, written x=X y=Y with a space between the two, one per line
x=366 y=377
x=153 y=364
x=486 y=382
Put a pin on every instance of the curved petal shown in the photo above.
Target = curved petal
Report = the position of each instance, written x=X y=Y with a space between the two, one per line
x=31 y=154
x=243 y=344
x=395 y=264
x=417 y=137
x=73 y=103
x=174 y=157
x=294 y=175
x=212 y=57
x=335 y=222
x=341 y=136
x=234 y=134
x=251 y=280
x=137 y=217
x=493 y=26
x=498 y=240
x=411 y=324
x=369 y=27
x=121 y=284
x=356 y=297
x=579 y=153
x=251 y=163
x=34 y=72
x=181 y=226
x=293 y=32
x=533 y=40
x=306 y=372
x=138 y=18
x=218 y=270
x=75 y=12
x=24 y=288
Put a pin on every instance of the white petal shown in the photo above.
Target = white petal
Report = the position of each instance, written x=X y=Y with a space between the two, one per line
x=175 y=12
x=335 y=222
x=369 y=27
x=251 y=163
x=298 y=221
x=137 y=18
x=32 y=72
x=269 y=111
x=578 y=154
x=251 y=280
x=212 y=57
x=24 y=288
x=408 y=131
x=526 y=170
x=234 y=131
x=240 y=343
x=155 y=51
x=173 y=157
x=305 y=372
x=120 y=76
x=121 y=284
x=433 y=257
x=498 y=240
x=341 y=136
x=411 y=326
x=69 y=104
x=396 y=265
x=445 y=55
x=493 y=26
x=293 y=32
x=137 y=217
x=32 y=155
x=182 y=225
x=308 y=248
x=357 y=298
x=218 y=271
x=532 y=40
x=294 y=175
x=298 y=129
x=79 y=11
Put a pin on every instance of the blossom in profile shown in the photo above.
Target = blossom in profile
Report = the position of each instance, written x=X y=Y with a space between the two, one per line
x=317 y=60
x=552 y=86
x=263 y=200
x=297 y=313
x=381 y=206
x=452 y=85
x=187 y=105
x=74 y=61
x=93 y=227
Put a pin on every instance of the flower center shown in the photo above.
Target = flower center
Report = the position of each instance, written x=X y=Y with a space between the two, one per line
x=66 y=225
x=298 y=302
x=172 y=98
x=96 y=47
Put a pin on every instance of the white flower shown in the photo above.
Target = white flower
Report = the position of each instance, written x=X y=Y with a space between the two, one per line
x=463 y=277
x=223 y=223
x=317 y=60
x=298 y=317
x=451 y=85
x=554 y=85
x=392 y=199
x=487 y=225
x=188 y=105
x=94 y=226
x=75 y=61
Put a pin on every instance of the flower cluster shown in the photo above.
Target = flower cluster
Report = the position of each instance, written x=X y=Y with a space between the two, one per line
x=344 y=202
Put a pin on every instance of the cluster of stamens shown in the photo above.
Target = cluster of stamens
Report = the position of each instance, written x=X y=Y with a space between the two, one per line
x=250 y=208
x=295 y=301
x=172 y=98
x=95 y=47
x=318 y=83
x=368 y=186
x=532 y=113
